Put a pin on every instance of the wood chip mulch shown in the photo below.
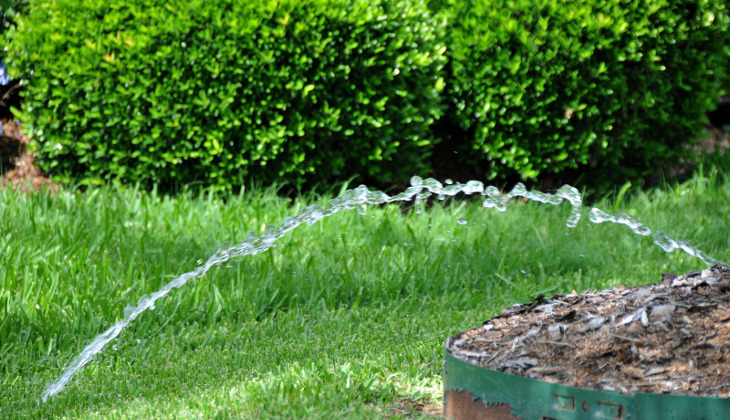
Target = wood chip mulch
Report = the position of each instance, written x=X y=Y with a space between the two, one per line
x=672 y=337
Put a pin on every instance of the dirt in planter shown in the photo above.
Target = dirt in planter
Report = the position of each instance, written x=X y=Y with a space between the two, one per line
x=672 y=337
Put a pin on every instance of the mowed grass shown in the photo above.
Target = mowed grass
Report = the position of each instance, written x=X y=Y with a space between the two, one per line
x=344 y=318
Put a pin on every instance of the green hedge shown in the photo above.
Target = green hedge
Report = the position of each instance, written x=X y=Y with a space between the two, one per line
x=181 y=91
x=549 y=85
x=294 y=91
x=8 y=10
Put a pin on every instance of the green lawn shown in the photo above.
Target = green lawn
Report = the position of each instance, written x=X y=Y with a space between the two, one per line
x=342 y=318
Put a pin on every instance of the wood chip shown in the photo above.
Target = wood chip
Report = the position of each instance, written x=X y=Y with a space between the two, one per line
x=672 y=337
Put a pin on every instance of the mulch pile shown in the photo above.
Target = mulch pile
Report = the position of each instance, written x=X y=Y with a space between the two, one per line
x=672 y=337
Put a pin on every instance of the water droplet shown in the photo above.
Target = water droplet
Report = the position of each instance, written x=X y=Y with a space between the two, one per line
x=199 y=262
x=461 y=221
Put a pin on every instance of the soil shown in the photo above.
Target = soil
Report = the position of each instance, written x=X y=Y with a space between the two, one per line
x=671 y=337
x=409 y=409
x=17 y=165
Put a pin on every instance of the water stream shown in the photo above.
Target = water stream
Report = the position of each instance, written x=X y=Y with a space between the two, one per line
x=420 y=190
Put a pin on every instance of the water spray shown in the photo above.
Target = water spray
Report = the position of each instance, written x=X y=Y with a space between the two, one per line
x=420 y=190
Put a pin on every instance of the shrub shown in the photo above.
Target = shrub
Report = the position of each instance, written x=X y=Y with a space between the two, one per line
x=8 y=88
x=8 y=9
x=547 y=85
x=220 y=92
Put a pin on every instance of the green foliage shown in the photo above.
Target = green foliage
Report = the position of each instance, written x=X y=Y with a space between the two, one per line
x=8 y=9
x=9 y=88
x=547 y=86
x=221 y=92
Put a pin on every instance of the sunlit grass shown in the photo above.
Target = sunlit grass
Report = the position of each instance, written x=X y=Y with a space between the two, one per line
x=339 y=319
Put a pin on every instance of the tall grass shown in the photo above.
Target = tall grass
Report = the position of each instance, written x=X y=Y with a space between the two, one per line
x=340 y=318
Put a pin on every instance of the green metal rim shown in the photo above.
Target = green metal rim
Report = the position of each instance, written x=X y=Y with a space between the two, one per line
x=530 y=399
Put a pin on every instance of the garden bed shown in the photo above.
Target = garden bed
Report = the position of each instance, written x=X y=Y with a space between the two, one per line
x=665 y=338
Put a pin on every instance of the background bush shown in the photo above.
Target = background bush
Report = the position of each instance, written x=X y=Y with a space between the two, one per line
x=319 y=91
x=222 y=92
x=8 y=88
x=8 y=10
x=543 y=86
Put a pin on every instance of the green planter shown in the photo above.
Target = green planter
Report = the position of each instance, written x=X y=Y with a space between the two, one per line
x=473 y=392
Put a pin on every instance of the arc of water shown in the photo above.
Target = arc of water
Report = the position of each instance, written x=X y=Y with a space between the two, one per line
x=419 y=190
x=250 y=246
x=660 y=239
